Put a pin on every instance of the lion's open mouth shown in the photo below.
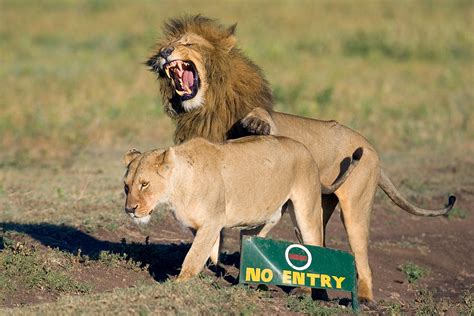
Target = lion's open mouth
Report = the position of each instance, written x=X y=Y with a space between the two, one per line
x=184 y=76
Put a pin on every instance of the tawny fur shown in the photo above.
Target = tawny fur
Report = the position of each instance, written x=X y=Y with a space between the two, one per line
x=210 y=187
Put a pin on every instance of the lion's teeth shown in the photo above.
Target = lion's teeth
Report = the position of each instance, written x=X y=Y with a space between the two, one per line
x=167 y=70
x=181 y=93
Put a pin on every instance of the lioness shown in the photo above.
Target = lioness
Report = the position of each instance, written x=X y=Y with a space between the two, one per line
x=210 y=187
x=210 y=89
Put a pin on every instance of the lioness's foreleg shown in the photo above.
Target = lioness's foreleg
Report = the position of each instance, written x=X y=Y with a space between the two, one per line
x=216 y=249
x=200 y=251
x=356 y=198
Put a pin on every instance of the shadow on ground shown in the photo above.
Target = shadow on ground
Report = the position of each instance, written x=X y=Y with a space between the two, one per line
x=163 y=260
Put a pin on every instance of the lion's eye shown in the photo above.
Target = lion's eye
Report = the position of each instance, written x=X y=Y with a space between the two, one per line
x=144 y=185
x=125 y=188
x=188 y=44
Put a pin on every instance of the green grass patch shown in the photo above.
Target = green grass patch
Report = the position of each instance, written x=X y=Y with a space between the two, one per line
x=115 y=260
x=379 y=43
x=413 y=272
x=457 y=213
x=24 y=268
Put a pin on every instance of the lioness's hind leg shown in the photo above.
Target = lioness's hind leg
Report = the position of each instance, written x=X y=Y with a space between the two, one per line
x=356 y=198
x=309 y=218
x=329 y=203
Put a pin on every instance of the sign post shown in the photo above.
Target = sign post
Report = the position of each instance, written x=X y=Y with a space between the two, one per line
x=266 y=261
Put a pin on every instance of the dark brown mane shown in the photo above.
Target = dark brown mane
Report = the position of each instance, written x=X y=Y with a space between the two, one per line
x=235 y=84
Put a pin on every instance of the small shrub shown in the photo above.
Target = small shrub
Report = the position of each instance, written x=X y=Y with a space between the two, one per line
x=412 y=271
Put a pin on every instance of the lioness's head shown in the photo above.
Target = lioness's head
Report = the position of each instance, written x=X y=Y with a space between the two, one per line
x=146 y=181
x=182 y=59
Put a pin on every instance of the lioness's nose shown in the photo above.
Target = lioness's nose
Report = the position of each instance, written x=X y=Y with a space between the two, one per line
x=131 y=209
x=165 y=52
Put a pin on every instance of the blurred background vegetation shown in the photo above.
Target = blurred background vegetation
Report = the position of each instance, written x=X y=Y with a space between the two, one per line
x=399 y=72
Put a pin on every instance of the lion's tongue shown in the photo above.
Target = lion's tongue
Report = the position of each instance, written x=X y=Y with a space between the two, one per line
x=188 y=78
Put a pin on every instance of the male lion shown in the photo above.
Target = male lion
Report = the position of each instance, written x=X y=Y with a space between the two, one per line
x=210 y=187
x=228 y=93
x=206 y=83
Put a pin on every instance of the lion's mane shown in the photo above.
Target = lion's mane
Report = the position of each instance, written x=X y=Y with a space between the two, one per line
x=235 y=84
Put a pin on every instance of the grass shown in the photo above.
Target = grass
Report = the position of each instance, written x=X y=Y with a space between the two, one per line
x=198 y=296
x=457 y=213
x=75 y=96
x=413 y=272
x=24 y=269
x=307 y=305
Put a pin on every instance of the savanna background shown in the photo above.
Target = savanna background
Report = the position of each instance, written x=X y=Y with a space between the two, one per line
x=74 y=96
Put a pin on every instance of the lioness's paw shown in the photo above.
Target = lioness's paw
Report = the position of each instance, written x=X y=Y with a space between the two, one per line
x=256 y=126
x=184 y=276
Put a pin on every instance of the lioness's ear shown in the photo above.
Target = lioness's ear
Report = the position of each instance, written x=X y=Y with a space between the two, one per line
x=168 y=156
x=130 y=155
x=230 y=40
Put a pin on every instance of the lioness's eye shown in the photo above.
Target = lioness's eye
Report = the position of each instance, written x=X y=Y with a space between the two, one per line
x=145 y=184
x=125 y=188
x=188 y=44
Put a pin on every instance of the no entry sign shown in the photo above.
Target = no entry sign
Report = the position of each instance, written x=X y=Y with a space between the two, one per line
x=266 y=261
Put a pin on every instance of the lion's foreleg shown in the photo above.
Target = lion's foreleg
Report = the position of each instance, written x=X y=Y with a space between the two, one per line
x=259 y=122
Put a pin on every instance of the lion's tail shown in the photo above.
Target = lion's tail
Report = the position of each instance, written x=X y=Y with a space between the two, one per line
x=387 y=186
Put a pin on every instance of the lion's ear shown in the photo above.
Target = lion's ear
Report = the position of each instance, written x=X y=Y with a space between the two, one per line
x=130 y=155
x=231 y=29
x=151 y=63
x=230 y=40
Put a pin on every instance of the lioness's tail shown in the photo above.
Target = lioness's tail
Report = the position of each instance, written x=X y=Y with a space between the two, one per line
x=354 y=160
x=387 y=186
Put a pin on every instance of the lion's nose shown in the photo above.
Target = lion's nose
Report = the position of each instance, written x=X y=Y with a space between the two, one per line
x=131 y=209
x=165 y=52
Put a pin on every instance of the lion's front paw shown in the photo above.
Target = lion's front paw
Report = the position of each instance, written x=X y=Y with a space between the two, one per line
x=256 y=126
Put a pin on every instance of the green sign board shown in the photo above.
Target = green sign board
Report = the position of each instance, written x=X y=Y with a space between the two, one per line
x=265 y=261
